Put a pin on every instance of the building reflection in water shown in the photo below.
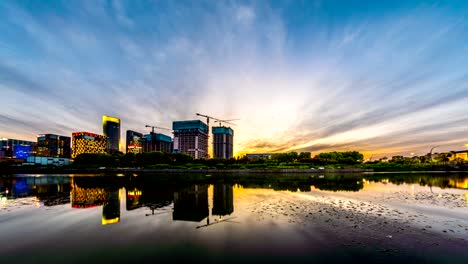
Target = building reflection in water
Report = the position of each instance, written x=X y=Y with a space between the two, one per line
x=191 y=204
x=49 y=191
x=133 y=199
x=85 y=197
x=459 y=183
x=223 y=200
x=88 y=196
x=111 y=208
x=155 y=197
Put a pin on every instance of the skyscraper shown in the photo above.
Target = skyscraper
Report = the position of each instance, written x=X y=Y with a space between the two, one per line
x=49 y=145
x=134 y=142
x=191 y=137
x=223 y=142
x=111 y=129
x=85 y=142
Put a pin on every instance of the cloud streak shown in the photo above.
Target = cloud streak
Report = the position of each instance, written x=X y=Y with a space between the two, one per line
x=300 y=76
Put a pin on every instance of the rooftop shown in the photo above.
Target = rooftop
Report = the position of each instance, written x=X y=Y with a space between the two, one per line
x=190 y=124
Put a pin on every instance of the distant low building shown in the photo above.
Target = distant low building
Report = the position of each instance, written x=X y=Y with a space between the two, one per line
x=463 y=154
x=259 y=156
x=9 y=147
x=23 y=151
x=48 y=161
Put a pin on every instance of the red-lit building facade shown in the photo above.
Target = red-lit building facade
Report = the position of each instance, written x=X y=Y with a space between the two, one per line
x=86 y=142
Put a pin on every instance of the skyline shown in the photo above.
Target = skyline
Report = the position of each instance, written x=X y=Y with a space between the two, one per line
x=380 y=78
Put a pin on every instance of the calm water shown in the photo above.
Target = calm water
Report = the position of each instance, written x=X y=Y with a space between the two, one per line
x=333 y=218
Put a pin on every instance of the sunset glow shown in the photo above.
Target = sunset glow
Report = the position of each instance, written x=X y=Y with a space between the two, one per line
x=338 y=77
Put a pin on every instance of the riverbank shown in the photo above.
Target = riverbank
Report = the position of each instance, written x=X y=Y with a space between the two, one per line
x=58 y=170
x=141 y=171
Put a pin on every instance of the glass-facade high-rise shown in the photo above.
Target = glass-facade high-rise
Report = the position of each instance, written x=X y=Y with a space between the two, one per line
x=111 y=129
x=223 y=142
x=49 y=145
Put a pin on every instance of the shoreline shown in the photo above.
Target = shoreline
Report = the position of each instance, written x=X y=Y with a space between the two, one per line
x=305 y=227
x=10 y=171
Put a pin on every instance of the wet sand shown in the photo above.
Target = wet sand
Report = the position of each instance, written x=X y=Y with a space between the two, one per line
x=409 y=226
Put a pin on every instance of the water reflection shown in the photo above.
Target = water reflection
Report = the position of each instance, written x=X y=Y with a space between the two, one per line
x=193 y=201
x=223 y=200
x=191 y=204
x=85 y=197
x=133 y=199
x=49 y=191
x=89 y=192
x=111 y=208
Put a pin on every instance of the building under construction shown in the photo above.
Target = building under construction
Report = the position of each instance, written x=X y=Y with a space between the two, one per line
x=223 y=142
x=191 y=137
x=157 y=142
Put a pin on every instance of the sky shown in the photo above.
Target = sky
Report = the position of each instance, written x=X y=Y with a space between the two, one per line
x=381 y=77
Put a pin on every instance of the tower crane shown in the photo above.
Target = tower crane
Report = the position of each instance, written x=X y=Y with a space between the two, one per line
x=216 y=120
x=430 y=152
x=207 y=121
x=153 y=127
x=226 y=121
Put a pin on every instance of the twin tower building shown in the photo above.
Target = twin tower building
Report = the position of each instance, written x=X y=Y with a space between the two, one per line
x=190 y=137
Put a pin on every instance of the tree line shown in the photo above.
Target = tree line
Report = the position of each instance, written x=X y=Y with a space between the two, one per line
x=159 y=159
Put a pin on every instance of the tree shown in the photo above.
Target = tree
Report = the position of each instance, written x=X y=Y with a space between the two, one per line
x=285 y=157
x=128 y=160
x=347 y=157
x=304 y=155
x=443 y=157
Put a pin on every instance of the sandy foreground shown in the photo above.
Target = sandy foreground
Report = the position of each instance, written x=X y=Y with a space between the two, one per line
x=384 y=223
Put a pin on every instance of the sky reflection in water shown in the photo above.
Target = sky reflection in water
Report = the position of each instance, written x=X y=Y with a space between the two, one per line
x=254 y=215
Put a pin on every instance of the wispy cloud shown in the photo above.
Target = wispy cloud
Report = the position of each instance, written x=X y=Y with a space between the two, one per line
x=300 y=76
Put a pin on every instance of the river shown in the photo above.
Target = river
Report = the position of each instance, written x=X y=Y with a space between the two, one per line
x=380 y=218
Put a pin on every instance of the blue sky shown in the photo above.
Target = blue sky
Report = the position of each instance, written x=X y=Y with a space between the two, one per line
x=381 y=77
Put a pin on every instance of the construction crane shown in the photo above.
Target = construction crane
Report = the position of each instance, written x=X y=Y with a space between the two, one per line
x=153 y=127
x=430 y=152
x=226 y=121
x=216 y=120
